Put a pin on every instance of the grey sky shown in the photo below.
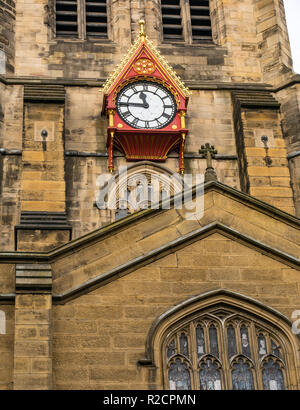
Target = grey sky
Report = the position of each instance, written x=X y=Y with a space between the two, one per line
x=292 y=9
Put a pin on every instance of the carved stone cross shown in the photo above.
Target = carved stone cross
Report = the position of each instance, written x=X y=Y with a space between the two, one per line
x=209 y=152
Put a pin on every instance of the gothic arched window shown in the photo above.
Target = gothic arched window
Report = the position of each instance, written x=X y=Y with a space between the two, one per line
x=225 y=349
x=144 y=187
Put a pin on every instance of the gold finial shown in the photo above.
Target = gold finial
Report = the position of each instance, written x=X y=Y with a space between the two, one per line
x=142 y=29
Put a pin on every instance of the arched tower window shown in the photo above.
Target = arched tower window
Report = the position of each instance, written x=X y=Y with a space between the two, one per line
x=224 y=341
x=143 y=186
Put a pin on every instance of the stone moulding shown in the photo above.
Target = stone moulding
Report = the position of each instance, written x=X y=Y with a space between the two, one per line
x=45 y=93
x=7 y=298
x=163 y=251
x=192 y=85
x=170 y=247
x=17 y=256
x=215 y=297
x=46 y=221
x=33 y=277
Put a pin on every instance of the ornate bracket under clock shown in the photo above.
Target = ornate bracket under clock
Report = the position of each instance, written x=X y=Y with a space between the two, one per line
x=146 y=104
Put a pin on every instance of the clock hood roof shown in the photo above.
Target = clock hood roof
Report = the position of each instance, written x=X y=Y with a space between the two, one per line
x=143 y=48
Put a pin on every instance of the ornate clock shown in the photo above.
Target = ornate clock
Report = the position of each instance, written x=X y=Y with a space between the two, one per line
x=146 y=104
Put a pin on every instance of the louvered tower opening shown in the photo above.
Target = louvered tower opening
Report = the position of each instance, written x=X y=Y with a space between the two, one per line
x=66 y=18
x=96 y=18
x=171 y=18
x=200 y=20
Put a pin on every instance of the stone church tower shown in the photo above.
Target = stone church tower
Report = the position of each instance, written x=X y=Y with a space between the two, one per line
x=126 y=298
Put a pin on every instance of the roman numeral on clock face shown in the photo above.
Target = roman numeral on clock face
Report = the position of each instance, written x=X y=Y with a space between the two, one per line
x=126 y=114
x=135 y=121
x=166 y=115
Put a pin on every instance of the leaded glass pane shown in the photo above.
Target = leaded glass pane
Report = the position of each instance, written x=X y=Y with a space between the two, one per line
x=150 y=193
x=200 y=341
x=124 y=198
x=171 y=349
x=272 y=376
x=245 y=341
x=213 y=339
x=242 y=377
x=164 y=194
x=262 y=347
x=275 y=349
x=140 y=193
x=184 y=345
x=210 y=377
x=179 y=376
x=232 y=350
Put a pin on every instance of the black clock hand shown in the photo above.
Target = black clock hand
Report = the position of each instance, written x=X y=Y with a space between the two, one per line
x=144 y=105
x=143 y=97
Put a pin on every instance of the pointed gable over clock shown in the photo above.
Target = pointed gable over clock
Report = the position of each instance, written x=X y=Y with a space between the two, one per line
x=146 y=103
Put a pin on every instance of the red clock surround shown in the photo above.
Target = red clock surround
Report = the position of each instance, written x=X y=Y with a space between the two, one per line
x=144 y=63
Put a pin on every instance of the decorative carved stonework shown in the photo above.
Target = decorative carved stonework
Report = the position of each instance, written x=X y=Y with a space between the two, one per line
x=209 y=153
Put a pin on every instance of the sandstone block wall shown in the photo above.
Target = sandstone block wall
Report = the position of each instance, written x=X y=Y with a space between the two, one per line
x=43 y=184
x=241 y=30
x=273 y=41
x=267 y=164
x=10 y=187
x=7 y=285
x=32 y=342
x=94 y=338
x=99 y=337
x=7 y=348
x=155 y=230
x=7 y=35
x=290 y=106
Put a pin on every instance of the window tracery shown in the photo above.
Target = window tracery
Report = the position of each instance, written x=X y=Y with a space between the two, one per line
x=144 y=189
x=225 y=350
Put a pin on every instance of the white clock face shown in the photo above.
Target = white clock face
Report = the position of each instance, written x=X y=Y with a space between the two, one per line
x=145 y=104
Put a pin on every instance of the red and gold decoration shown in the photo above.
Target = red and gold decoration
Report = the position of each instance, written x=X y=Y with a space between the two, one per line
x=144 y=66
x=146 y=105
